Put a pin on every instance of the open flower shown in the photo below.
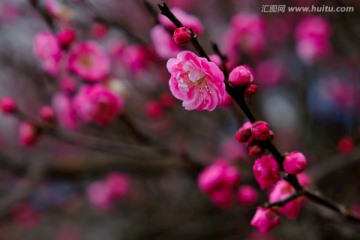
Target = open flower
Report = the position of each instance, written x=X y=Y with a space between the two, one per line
x=47 y=49
x=89 y=61
x=97 y=104
x=196 y=81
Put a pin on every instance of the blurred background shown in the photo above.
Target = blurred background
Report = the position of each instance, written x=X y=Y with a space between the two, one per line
x=306 y=66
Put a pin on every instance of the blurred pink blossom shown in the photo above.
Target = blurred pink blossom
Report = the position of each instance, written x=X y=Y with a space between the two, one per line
x=64 y=111
x=89 y=61
x=48 y=50
x=163 y=43
x=28 y=134
x=218 y=181
x=105 y=193
x=97 y=104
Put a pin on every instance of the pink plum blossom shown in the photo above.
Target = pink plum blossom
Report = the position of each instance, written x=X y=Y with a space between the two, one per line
x=89 y=61
x=97 y=104
x=186 y=19
x=64 y=111
x=283 y=190
x=164 y=45
x=196 y=81
x=312 y=35
x=247 y=34
x=48 y=50
x=266 y=171
x=265 y=219
x=106 y=192
x=218 y=181
x=269 y=72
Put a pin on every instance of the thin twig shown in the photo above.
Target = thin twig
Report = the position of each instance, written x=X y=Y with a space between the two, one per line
x=284 y=201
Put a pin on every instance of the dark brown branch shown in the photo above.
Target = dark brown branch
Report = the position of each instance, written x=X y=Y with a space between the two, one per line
x=317 y=198
x=284 y=201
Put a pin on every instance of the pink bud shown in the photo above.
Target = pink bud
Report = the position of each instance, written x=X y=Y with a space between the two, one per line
x=154 y=110
x=251 y=90
x=222 y=197
x=47 y=114
x=8 y=104
x=265 y=219
x=182 y=36
x=118 y=185
x=294 y=163
x=260 y=130
x=247 y=195
x=266 y=171
x=66 y=36
x=241 y=76
x=28 y=134
x=99 y=30
x=256 y=151
x=304 y=179
x=244 y=133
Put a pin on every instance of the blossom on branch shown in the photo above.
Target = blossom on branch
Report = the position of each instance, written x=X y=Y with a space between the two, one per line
x=97 y=104
x=196 y=81
x=89 y=61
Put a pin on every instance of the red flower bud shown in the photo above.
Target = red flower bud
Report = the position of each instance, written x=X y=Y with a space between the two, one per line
x=251 y=90
x=182 y=36
x=260 y=130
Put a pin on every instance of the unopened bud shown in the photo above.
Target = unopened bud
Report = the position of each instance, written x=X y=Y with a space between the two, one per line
x=182 y=36
x=260 y=130
x=251 y=90
x=8 y=104
x=241 y=76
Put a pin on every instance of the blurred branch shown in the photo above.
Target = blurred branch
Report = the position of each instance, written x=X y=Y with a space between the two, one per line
x=34 y=173
x=111 y=23
x=44 y=14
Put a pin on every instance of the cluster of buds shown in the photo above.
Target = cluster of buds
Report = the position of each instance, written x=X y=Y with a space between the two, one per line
x=266 y=219
x=253 y=135
x=243 y=77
